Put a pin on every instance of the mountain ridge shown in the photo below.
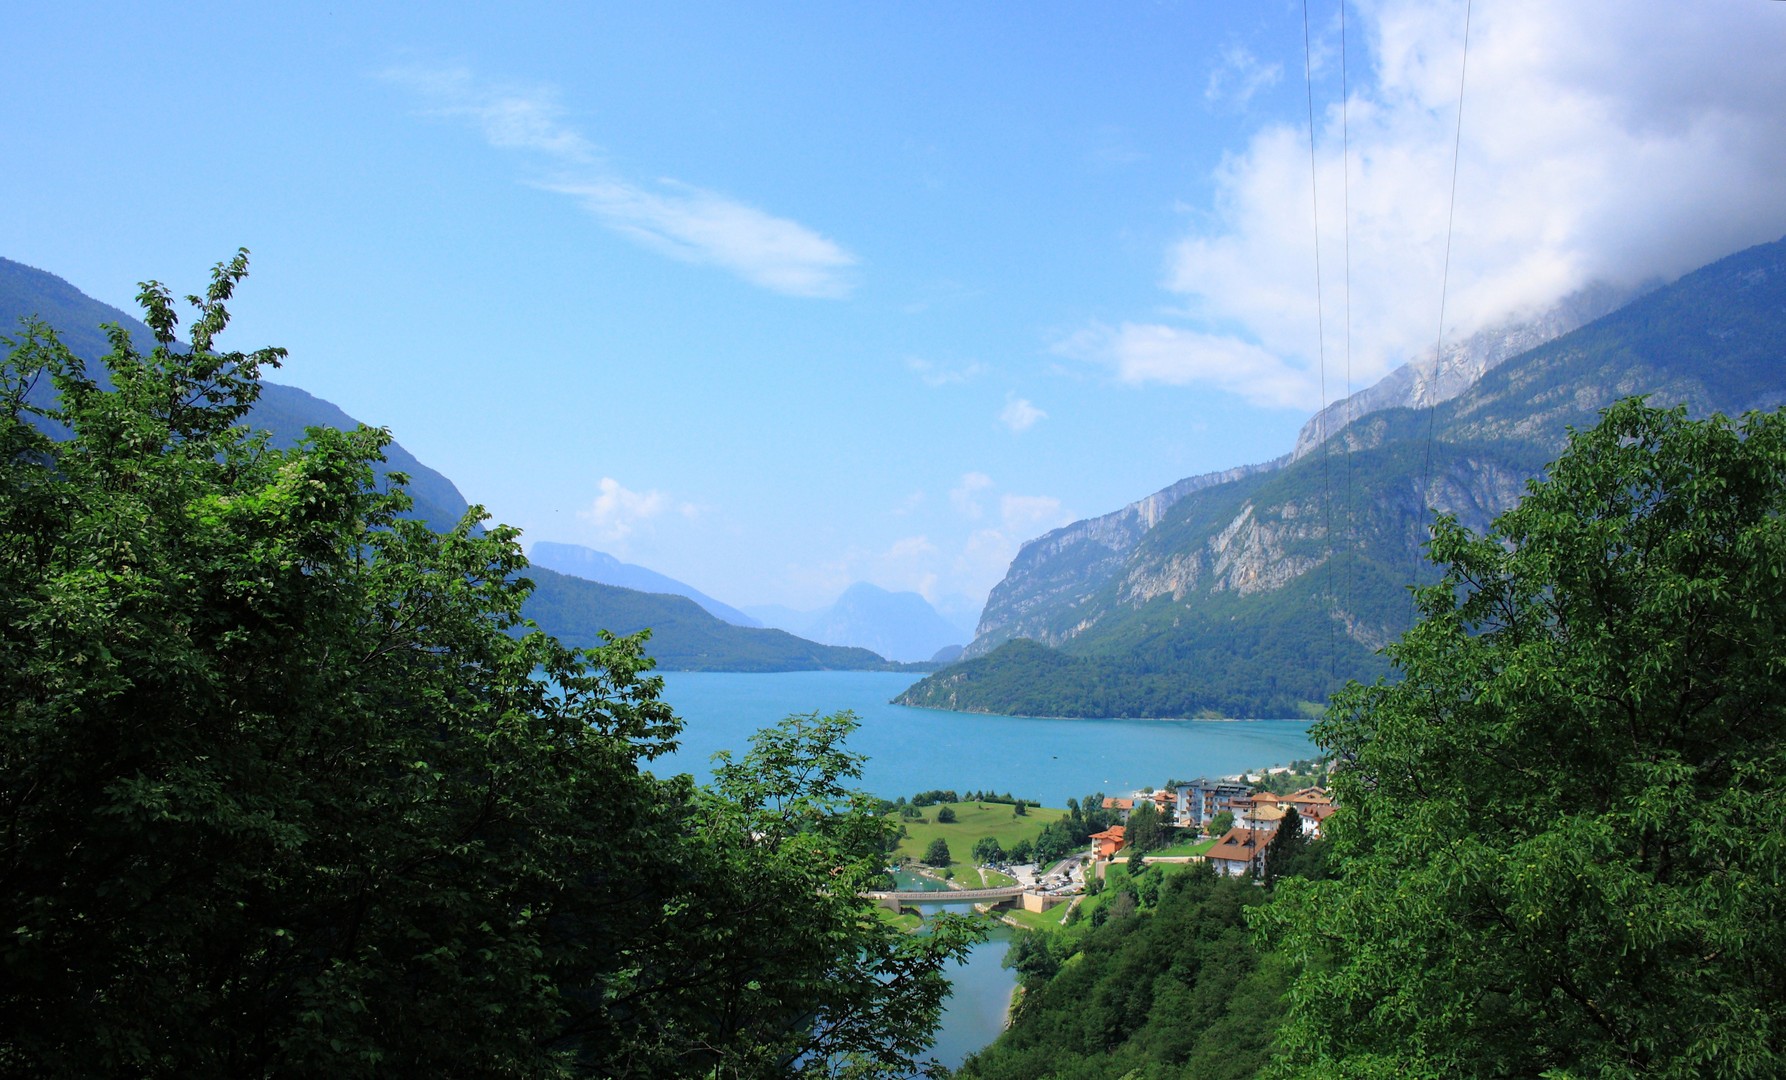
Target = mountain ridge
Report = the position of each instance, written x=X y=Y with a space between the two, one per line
x=1421 y=382
x=1246 y=555
x=576 y=560
x=686 y=637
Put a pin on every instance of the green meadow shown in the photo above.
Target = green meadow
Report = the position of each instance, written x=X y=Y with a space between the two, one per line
x=973 y=823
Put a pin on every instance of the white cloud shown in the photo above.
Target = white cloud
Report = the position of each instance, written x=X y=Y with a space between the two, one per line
x=908 y=564
x=1239 y=76
x=954 y=564
x=934 y=374
x=988 y=552
x=1152 y=353
x=699 y=226
x=1019 y=415
x=617 y=512
x=909 y=503
x=909 y=546
x=1601 y=141
x=965 y=495
x=680 y=220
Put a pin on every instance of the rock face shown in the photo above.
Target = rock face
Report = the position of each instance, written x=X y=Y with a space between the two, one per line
x=1069 y=565
x=1307 y=558
x=1425 y=382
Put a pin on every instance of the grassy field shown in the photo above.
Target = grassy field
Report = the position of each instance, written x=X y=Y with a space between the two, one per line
x=1039 y=920
x=973 y=822
x=909 y=921
x=1185 y=848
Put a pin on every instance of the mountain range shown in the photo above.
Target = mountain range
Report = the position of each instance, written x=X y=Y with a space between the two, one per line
x=685 y=636
x=1258 y=590
x=898 y=625
x=592 y=565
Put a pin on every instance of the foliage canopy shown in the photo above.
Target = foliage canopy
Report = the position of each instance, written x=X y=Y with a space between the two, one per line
x=1560 y=851
x=287 y=785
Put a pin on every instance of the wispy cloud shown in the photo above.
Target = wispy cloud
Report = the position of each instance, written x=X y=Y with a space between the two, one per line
x=1020 y=415
x=677 y=219
x=1239 y=76
x=935 y=374
x=1142 y=353
x=965 y=496
x=618 y=512
x=698 y=226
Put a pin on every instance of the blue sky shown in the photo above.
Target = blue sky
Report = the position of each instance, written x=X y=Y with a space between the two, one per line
x=774 y=298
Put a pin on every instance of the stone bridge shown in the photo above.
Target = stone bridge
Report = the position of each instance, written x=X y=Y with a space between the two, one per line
x=1003 y=895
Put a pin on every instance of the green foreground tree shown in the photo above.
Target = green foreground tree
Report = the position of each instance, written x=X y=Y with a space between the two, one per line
x=1143 y=832
x=1286 y=845
x=1220 y=823
x=1561 y=850
x=287 y=787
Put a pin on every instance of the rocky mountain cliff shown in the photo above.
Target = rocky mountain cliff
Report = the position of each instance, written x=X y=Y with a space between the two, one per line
x=1255 y=592
x=1071 y=563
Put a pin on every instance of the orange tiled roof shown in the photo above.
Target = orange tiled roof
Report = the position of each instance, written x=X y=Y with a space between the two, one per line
x=1240 y=845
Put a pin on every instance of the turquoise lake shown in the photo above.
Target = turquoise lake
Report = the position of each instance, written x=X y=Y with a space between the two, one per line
x=912 y=750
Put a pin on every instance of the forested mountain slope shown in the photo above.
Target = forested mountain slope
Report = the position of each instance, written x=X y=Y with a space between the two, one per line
x=1258 y=591
x=592 y=565
x=684 y=637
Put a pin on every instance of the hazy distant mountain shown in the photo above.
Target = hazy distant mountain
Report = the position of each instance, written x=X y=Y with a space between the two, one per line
x=684 y=636
x=592 y=565
x=897 y=625
x=782 y=617
x=1255 y=592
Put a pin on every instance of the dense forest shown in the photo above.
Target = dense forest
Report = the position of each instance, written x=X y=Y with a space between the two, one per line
x=1163 y=977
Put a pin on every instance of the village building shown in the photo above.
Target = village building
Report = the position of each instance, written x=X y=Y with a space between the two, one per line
x=1240 y=852
x=1106 y=844
x=1202 y=799
x=1313 y=805
x=1122 y=808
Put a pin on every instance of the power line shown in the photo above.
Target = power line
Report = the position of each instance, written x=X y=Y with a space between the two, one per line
x=1308 y=75
x=1432 y=409
x=1346 y=221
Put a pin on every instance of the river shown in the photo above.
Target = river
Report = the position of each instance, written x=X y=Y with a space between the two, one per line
x=911 y=750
